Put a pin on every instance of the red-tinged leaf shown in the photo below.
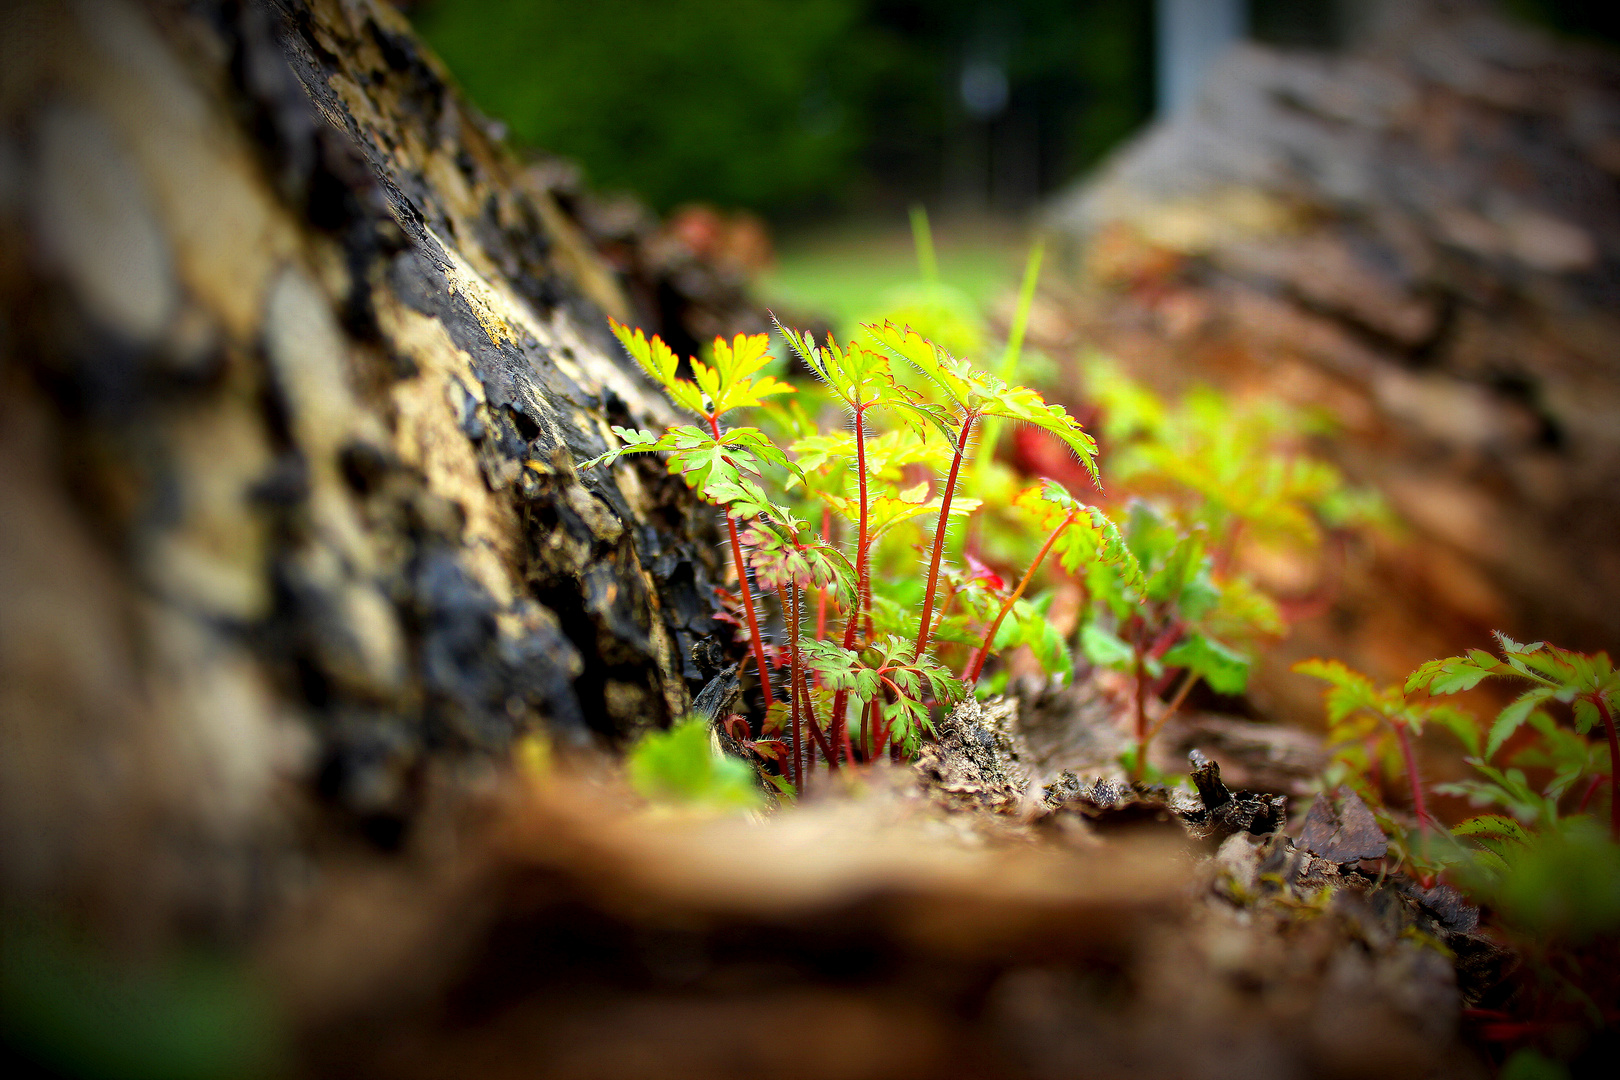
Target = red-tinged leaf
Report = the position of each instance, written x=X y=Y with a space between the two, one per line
x=979 y=572
x=951 y=375
x=859 y=377
x=660 y=364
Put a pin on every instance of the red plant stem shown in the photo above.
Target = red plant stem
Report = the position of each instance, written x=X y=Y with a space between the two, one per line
x=1586 y=796
x=925 y=628
x=1614 y=765
x=863 y=543
x=1188 y=679
x=880 y=740
x=1167 y=640
x=816 y=739
x=794 y=675
x=1412 y=776
x=799 y=686
x=748 y=610
x=821 y=594
x=746 y=593
x=1141 y=699
x=976 y=665
x=863 y=587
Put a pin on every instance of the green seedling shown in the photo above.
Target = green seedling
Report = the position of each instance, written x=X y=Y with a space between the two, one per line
x=1165 y=608
x=1587 y=684
x=718 y=464
x=872 y=486
x=859 y=455
x=1371 y=728
x=684 y=766
x=970 y=396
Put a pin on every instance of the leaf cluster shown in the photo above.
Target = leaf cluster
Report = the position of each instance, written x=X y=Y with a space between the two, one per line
x=1229 y=464
x=1365 y=722
x=1164 y=607
x=1529 y=824
x=683 y=766
x=1586 y=683
x=875 y=493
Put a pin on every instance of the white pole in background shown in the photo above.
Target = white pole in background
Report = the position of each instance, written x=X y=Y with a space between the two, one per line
x=1192 y=35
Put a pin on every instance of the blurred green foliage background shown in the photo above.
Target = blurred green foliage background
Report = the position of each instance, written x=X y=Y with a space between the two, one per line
x=792 y=107
x=797 y=105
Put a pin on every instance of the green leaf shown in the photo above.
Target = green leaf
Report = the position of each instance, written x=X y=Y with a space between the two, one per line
x=682 y=766
x=1050 y=647
x=735 y=365
x=1586 y=715
x=634 y=442
x=1225 y=669
x=660 y=363
x=980 y=394
x=859 y=377
x=1454 y=674
x=1348 y=691
x=1460 y=723
x=840 y=669
x=1105 y=649
x=951 y=375
x=1511 y=718
x=1492 y=825
x=992 y=397
x=758 y=447
x=928 y=413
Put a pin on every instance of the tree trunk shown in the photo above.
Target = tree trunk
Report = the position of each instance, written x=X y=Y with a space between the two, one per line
x=295 y=363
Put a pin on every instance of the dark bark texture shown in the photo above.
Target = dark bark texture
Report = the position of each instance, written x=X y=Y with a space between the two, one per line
x=295 y=362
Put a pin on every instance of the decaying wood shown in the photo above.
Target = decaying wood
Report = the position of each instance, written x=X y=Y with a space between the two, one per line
x=296 y=363
x=1419 y=236
x=884 y=930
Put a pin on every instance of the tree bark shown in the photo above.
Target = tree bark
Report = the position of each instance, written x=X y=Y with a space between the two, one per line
x=296 y=361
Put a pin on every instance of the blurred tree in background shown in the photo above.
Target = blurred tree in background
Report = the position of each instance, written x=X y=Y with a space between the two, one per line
x=787 y=106
x=783 y=105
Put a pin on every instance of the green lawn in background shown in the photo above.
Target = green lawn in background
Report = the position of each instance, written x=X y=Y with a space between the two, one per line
x=845 y=272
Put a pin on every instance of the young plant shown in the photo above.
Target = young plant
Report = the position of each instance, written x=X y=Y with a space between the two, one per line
x=892 y=685
x=794 y=566
x=1573 y=764
x=684 y=766
x=825 y=461
x=1231 y=466
x=717 y=464
x=1369 y=727
x=970 y=396
x=1587 y=684
x=1546 y=870
x=1080 y=534
x=860 y=380
x=1164 y=608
